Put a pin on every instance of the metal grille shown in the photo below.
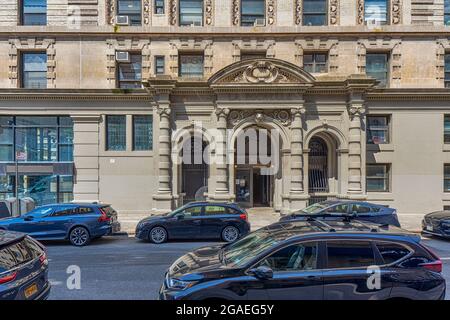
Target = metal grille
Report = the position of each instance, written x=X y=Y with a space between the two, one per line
x=318 y=166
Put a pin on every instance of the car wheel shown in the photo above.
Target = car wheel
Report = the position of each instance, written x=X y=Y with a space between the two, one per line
x=79 y=236
x=230 y=234
x=157 y=235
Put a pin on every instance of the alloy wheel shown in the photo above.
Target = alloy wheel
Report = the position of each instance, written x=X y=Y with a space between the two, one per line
x=158 y=235
x=79 y=236
x=230 y=234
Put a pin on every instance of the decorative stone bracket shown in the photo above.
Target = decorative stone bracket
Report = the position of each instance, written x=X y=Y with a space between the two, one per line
x=19 y=44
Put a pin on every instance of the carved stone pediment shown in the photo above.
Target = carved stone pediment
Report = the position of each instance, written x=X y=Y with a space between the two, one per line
x=262 y=71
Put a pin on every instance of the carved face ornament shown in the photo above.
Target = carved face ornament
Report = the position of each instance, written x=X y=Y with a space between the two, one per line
x=261 y=71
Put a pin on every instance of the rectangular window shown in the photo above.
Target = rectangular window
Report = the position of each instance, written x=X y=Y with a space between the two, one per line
x=377 y=129
x=159 y=65
x=159 y=6
x=253 y=55
x=315 y=12
x=351 y=254
x=377 y=67
x=253 y=12
x=142 y=132
x=191 y=12
x=34 y=12
x=116 y=131
x=315 y=62
x=6 y=138
x=447 y=12
x=377 y=177
x=34 y=70
x=447 y=71
x=447 y=128
x=132 y=9
x=446 y=177
x=130 y=73
x=65 y=139
x=376 y=12
x=191 y=65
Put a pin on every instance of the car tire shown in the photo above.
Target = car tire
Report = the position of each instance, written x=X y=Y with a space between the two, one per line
x=79 y=236
x=230 y=234
x=157 y=235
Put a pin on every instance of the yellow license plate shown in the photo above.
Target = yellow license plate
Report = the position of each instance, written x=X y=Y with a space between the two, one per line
x=31 y=290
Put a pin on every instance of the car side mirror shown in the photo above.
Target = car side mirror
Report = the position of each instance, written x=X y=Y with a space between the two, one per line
x=28 y=218
x=262 y=272
x=179 y=216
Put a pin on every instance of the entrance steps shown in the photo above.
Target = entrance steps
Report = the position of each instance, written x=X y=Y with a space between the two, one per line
x=262 y=216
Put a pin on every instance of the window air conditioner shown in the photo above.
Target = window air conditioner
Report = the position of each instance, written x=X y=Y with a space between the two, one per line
x=122 y=20
x=122 y=56
x=260 y=22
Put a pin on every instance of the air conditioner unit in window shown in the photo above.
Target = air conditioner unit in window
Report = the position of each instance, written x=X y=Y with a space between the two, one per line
x=122 y=56
x=259 y=22
x=122 y=20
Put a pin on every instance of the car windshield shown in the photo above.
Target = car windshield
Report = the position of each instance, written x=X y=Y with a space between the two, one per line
x=241 y=252
x=40 y=211
x=172 y=213
x=315 y=208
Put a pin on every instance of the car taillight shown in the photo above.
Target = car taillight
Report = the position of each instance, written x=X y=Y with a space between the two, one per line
x=435 y=266
x=104 y=217
x=43 y=259
x=8 y=278
x=243 y=216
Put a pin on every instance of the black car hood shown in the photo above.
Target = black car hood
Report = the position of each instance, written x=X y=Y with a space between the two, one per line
x=199 y=264
x=154 y=218
x=439 y=215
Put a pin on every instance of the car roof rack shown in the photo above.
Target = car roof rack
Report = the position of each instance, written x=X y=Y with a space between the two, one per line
x=322 y=223
x=331 y=229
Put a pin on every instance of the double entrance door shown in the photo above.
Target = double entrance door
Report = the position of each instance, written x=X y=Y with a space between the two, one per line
x=253 y=189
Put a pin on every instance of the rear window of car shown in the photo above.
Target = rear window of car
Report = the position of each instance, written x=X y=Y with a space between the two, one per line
x=392 y=252
x=18 y=253
x=213 y=210
x=350 y=254
x=108 y=210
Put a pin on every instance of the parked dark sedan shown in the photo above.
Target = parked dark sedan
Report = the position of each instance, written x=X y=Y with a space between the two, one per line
x=437 y=223
x=318 y=260
x=78 y=223
x=196 y=220
x=364 y=211
x=23 y=268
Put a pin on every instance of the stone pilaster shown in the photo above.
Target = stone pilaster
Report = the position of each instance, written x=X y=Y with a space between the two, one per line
x=355 y=150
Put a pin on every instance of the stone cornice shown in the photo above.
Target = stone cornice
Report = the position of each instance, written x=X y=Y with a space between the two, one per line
x=410 y=94
x=74 y=94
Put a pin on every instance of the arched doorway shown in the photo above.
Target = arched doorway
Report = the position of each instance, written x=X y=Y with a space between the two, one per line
x=194 y=168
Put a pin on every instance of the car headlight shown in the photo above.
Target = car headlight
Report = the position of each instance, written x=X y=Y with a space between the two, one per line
x=177 y=284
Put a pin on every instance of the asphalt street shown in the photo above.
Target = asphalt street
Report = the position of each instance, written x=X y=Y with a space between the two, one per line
x=122 y=268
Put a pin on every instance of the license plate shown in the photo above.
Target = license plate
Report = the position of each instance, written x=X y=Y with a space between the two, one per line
x=429 y=228
x=31 y=290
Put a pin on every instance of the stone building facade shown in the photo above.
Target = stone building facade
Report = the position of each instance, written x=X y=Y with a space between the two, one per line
x=364 y=127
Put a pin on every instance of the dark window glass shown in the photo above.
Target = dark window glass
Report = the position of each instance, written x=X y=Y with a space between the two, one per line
x=65 y=211
x=392 y=252
x=191 y=65
x=192 y=211
x=83 y=210
x=34 y=70
x=116 y=133
x=315 y=62
x=447 y=12
x=447 y=177
x=376 y=12
x=377 y=178
x=65 y=189
x=252 y=55
x=351 y=254
x=191 y=12
x=377 y=129
x=358 y=208
x=14 y=255
x=130 y=8
x=6 y=139
x=34 y=12
x=251 y=11
x=65 y=139
x=37 y=144
x=447 y=71
x=377 y=67
x=159 y=65
x=340 y=208
x=130 y=73
x=292 y=258
x=7 y=186
x=314 y=12
x=446 y=128
x=214 y=210
x=142 y=132
x=159 y=6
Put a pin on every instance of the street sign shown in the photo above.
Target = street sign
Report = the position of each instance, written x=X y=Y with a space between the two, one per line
x=21 y=156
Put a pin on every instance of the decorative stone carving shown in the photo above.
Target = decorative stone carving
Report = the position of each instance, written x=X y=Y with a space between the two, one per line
x=261 y=71
x=334 y=12
x=270 y=12
x=360 y=11
x=146 y=12
x=282 y=116
x=356 y=110
x=396 y=14
x=236 y=12
x=110 y=11
x=440 y=62
x=298 y=11
x=396 y=65
x=173 y=12
x=209 y=8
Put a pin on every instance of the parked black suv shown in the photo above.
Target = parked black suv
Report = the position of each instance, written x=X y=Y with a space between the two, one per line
x=313 y=259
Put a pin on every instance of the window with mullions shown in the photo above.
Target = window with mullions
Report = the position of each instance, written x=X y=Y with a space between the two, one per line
x=447 y=128
x=191 y=12
x=142 y=133
x=446 y=177
x=36 y=139
x=34 y=70
x=132 y=9
x=377 y=67
x=159 y=6
x=315 y=12
x=34 y=12
x=130 y=73
x=159 y=65
x=377 y=129
x=447 y=12
x=376 y=12
x=377 y=177
x=191 y=65
x=315 y=62
x=252 y=11
x=447 y=71
x=116 y=130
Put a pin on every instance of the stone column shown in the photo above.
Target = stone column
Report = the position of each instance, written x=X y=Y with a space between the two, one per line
x=355 y=150
x=163 y=197
x=221 y=191
x=297 y=193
